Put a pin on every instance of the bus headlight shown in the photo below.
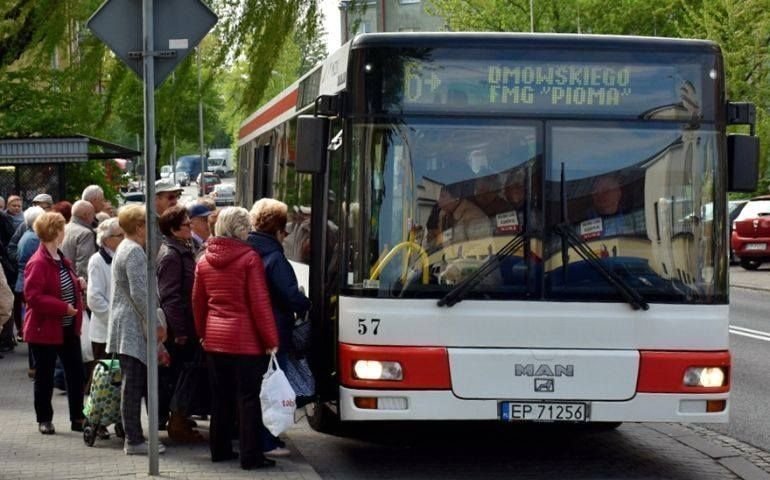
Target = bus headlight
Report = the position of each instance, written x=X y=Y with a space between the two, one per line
x=704 y=377
x=377 y=370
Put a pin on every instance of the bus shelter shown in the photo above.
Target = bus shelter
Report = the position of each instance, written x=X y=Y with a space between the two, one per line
x=29 y=166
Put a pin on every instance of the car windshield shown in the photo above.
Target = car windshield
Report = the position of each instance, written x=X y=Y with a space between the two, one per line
x=433 y=199
x=755 y=208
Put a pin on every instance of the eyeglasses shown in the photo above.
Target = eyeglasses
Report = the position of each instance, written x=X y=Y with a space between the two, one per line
x=173 y=196
x=187 y=223
x=118 y=235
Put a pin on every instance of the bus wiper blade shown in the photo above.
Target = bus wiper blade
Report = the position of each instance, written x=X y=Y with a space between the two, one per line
x=467 y=284
x=579 y=245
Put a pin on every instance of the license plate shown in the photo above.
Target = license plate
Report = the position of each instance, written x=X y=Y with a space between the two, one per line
x=756 y=246
x=544 y=411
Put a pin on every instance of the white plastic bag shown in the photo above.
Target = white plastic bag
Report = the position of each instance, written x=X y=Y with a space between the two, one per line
x=85 y=339
x=277 y=398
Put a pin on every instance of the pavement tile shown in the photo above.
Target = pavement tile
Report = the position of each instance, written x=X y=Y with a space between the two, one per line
x=744 y=469
x=711 y=449
x=25 y=454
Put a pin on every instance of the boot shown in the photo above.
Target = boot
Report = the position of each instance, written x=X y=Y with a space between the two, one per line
x=180 y=431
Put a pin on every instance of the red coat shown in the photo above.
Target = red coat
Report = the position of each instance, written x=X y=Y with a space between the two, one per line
x=231 y=304
x=42 y=292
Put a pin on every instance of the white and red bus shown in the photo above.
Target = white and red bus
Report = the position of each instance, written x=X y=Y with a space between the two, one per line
x=510 y=226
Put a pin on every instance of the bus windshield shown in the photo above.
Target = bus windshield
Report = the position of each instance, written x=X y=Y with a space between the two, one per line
x=445 y=195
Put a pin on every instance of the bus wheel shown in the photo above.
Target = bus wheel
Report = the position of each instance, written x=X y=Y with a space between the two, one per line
x=321 y=418
x=749 y=264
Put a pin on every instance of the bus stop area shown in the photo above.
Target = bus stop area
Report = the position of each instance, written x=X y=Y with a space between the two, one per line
x=699 y=453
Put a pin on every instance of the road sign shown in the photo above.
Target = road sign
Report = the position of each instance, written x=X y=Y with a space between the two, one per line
x=179 y=26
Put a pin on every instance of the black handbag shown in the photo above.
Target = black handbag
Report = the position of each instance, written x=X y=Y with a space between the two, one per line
x=192 y=394
x=300 y=336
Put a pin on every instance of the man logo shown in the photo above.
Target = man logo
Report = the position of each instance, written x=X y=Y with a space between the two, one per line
x=544 y=385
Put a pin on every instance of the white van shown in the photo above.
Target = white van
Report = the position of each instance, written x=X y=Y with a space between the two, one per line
x=220 y=161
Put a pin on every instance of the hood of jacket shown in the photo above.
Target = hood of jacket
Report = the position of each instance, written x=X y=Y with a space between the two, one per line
x=222 y=251
x=264 y=244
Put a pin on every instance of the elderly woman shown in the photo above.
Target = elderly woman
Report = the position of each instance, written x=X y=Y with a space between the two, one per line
x=176 y=271
x=269 y=217
x=52 y=322
x=127 y=328
x=98 y=296
x=234 y=321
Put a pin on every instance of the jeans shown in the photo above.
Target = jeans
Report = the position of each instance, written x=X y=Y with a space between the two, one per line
x=45 y=359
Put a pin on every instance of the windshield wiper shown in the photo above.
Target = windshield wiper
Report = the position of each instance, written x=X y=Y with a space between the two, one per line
x=581 y=247
x=467 y=284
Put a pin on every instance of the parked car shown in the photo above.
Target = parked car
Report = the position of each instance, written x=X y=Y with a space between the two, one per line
x=224 y=194
x=165 y=171
x=132 y=197
x=207 y=185
x=734 y=208
x=751 y=233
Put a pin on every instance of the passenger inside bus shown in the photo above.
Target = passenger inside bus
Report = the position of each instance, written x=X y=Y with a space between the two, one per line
x=455 y=218
x=608 y=215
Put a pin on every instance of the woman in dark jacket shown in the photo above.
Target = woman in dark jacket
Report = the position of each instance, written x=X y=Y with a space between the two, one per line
x=52 y=323
x=269 y=217
x=234 y=321
x=176 y=273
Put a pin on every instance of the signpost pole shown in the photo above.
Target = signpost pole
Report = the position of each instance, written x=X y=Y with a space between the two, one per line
x=148 y=47
x=201 y=187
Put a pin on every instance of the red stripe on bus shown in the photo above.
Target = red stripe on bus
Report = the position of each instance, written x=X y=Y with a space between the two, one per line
x=663 y=371
x=424 y=368
x=283 y=105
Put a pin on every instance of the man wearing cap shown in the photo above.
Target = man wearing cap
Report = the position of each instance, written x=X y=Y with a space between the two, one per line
x=166 y=195
x=199 y=222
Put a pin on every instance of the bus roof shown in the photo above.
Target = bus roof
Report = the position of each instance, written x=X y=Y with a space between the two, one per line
x=554 y=40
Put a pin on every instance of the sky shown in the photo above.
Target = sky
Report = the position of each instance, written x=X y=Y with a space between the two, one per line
x=331 y=11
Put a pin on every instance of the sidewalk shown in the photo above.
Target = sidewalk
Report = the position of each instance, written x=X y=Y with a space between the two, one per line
x=26 y=454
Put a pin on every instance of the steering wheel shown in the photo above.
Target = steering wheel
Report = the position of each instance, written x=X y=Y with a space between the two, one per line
x=412 y=247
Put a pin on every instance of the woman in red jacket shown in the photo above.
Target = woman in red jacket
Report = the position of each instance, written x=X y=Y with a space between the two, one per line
x=234 y=321
x=52 y=323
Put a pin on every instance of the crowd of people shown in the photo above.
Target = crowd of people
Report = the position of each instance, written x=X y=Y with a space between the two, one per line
x=74 y=289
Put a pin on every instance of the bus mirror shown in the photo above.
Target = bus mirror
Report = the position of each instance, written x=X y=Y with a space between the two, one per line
x=312 y=140
x=742 y=163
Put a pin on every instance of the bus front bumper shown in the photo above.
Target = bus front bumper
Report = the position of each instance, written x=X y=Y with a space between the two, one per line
x=407 y=405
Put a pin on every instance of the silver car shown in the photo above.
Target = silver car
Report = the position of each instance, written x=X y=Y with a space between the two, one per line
x=224 y=194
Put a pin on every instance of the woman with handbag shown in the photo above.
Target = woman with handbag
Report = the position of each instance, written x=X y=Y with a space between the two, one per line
x=52 y=322
x=127 y=328
x=234 y=321
x=269 y=218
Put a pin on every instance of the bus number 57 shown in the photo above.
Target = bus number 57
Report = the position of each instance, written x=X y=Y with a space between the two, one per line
x=365 y=326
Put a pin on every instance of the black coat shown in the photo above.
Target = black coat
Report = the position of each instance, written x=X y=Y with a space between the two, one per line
x=176 y=273
x=285 y=296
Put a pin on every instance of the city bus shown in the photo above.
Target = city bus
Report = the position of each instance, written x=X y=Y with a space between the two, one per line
x=509 y=227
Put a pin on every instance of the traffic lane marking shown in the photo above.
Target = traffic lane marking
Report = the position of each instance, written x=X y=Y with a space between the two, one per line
x=747 y=332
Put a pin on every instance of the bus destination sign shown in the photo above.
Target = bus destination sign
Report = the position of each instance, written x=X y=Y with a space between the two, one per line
x=546 y=87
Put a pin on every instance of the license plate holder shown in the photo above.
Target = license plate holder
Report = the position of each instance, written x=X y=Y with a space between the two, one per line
x=574 y=412
x=756 y=246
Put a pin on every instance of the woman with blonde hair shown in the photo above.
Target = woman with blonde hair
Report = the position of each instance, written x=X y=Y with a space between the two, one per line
x=235 y=324
x=127 y=327
x=52 y=323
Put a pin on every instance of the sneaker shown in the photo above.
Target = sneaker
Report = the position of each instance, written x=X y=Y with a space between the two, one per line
x=278 y=452
x=140 y=448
